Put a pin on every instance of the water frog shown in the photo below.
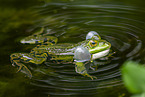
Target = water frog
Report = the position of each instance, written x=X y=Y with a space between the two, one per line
x=48 y=50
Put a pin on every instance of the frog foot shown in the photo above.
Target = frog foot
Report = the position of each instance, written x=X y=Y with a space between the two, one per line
x=24 y=69
x=92 y=77
x=19 y=60
x=110 y=55
x=94 y=68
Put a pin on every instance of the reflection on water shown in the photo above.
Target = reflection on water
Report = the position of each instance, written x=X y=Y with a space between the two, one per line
x=118 y=24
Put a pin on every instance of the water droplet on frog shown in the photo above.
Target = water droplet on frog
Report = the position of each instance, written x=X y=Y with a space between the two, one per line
x=82 y=54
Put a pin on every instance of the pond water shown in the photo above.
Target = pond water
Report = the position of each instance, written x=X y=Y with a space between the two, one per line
x=121 y=23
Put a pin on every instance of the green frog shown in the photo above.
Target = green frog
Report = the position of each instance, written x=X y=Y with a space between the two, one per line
x=48 y=50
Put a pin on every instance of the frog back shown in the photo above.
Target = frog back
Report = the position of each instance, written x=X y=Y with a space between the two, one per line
x=61 y=52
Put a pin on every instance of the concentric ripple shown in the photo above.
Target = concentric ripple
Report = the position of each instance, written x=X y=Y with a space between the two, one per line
x=121 y=25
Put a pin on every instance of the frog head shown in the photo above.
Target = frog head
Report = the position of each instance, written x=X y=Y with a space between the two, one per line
x=94 y=48
x=97 y=47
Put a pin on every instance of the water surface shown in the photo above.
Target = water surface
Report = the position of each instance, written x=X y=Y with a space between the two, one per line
x=120 y=23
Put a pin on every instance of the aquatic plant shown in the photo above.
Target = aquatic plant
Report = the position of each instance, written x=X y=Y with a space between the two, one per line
x=133 y=78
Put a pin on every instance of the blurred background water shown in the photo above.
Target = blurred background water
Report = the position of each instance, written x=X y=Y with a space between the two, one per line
x=119 y=22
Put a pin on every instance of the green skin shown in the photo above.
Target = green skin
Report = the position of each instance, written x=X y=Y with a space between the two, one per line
x=49 y=51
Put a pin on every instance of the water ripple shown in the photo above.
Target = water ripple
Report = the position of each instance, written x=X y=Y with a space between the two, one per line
x=115 y=23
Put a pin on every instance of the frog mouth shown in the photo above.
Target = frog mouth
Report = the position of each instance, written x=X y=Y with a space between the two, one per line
x=100 y=54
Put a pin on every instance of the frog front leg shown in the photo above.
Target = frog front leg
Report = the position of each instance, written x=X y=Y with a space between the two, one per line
x=19 y=59
x=93 y=66
x=81 y=69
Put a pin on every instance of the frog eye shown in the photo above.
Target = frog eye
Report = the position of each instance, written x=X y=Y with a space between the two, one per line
x=93 y=43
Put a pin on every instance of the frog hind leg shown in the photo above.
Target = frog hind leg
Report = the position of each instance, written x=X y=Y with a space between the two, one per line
x=15 y=60
x=39 y=38
x=18 y=59
x=81 y=69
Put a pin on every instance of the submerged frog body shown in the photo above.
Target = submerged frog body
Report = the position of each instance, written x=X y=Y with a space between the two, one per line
x=48 y=51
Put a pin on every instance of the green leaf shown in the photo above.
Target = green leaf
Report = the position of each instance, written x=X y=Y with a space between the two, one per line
x=133 y=75
x=139 y=95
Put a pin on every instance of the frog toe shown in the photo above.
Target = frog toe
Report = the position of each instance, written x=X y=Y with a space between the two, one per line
x=92 y=77
x=24 y=69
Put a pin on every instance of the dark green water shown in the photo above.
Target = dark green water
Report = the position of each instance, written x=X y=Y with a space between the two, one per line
x=119 y=22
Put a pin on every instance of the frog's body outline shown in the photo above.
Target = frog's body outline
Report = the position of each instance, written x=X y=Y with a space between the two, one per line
x=48 y=50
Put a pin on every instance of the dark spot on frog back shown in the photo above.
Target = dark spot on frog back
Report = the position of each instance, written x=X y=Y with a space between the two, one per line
x=45 y=39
